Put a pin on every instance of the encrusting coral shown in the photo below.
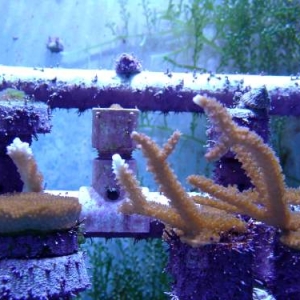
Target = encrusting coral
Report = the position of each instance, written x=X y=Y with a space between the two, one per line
x=268 y=201
x=21 y=212
x=34 y=210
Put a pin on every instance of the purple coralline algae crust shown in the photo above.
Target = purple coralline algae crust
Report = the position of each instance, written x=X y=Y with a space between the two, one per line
x=211 y=272
x=18 y=118
x=263 y=258
x=228 y=170
x=43 y=279
x=39 y=245
x=286 y=284
x=30 y=118
x=10 y=180
x=128 y=65
x=148 y=91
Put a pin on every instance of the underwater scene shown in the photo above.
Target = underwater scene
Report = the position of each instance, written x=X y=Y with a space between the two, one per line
x=150 y=149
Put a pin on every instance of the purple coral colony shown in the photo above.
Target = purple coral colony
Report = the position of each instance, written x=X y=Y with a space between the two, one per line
x=239 y=236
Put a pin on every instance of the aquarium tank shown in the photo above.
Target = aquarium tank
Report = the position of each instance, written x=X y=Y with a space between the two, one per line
x=150 y=149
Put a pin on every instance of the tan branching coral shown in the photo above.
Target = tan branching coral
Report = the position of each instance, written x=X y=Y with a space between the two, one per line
x=22 y=156
x=23 y=212
x=194 y=224
x=268 y=200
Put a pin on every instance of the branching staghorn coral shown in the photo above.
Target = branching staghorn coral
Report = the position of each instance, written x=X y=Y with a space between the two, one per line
x=269 y=200
x=33 y=210
x=22 y=156
x=194 y=225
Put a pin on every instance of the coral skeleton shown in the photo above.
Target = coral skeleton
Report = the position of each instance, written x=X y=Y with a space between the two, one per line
x=194 y=225
x=34 y=210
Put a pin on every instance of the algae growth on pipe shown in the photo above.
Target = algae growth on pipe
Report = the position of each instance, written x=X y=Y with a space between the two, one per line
x=147 y=91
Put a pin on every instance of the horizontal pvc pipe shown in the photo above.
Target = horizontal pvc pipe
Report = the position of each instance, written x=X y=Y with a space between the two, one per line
x=147 y=91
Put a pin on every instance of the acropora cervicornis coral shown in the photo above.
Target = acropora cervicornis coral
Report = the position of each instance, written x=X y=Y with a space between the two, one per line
x=34 y=210
x=268 y=201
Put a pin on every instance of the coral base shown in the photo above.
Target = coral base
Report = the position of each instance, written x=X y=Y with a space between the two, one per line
x=286 y=284
x=39 y=245
x=41 y=279
x=263 y=260
x=211 y=272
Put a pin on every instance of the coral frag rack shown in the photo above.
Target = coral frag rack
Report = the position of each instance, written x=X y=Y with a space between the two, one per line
x=147 y=91
x=172 y=92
